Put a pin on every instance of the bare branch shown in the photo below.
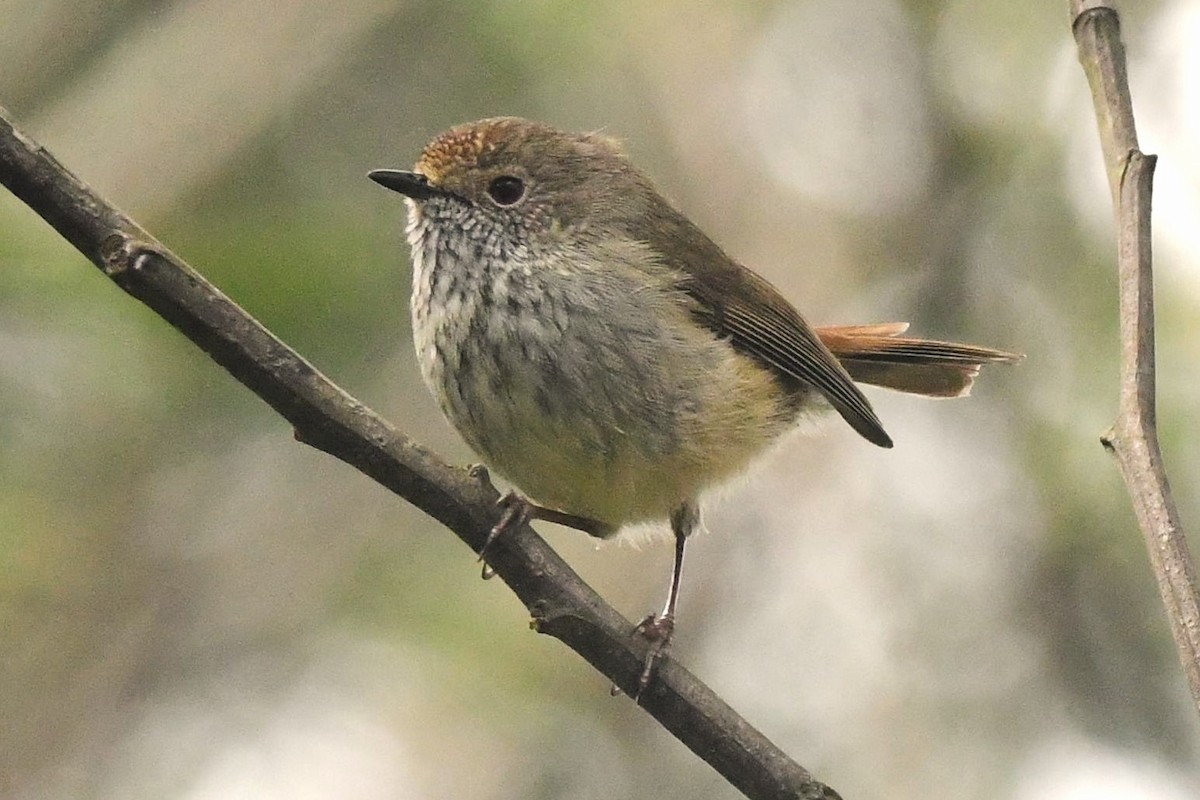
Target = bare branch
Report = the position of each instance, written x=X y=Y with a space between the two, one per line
x=327 y=418
x=1133 y=438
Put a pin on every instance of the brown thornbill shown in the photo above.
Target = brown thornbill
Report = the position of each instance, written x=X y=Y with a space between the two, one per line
x=598 y=350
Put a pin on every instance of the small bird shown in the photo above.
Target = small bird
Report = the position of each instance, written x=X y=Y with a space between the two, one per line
x=598 y=350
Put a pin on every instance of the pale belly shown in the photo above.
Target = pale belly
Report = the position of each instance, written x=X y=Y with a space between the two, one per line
x=619 y=414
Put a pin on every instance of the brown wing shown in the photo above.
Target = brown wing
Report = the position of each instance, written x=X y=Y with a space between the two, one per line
x=736 y=303
x=761 y=324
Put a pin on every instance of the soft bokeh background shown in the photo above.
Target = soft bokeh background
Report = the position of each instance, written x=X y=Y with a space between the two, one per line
x=194 y=606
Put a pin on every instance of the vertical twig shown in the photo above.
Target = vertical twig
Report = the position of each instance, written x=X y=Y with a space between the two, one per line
x=1133 y=438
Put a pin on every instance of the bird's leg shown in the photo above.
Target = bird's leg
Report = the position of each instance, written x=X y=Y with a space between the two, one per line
x=658 y=629
x=516 y=510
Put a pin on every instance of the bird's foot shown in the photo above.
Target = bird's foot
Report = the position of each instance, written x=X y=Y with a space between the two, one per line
x=657 y=629
x=515 y=511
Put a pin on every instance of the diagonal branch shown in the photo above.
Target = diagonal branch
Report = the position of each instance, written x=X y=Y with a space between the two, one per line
x=1133 y=438
x=326 y=417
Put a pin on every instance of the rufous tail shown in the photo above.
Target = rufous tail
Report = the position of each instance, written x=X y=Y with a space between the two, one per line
x=878 y=355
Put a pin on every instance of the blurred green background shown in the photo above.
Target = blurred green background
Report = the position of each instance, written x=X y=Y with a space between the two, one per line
x=192 y=605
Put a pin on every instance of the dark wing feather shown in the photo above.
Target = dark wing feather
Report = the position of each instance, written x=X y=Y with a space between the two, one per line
x=736 y=303
x=762 y=324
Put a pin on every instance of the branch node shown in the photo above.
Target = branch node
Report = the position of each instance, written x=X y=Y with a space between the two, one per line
x=121 y=253
x=114 y=252
x=1126 y=165
x=537 y=616
x=540 y=612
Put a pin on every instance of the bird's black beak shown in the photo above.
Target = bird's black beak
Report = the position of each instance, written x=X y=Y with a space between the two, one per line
x=409 y=184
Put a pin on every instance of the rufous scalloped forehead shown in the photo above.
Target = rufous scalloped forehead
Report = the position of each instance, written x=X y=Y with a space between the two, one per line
x=460 y=147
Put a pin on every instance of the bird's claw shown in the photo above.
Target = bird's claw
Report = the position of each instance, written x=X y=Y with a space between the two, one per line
x=515 y=512
x=657 y=629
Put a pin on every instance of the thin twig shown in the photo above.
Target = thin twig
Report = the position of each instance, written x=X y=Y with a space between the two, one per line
x=1133 y=438
x=326 y=417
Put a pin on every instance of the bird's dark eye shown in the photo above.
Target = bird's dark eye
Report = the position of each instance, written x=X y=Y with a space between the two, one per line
x=506 y=190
